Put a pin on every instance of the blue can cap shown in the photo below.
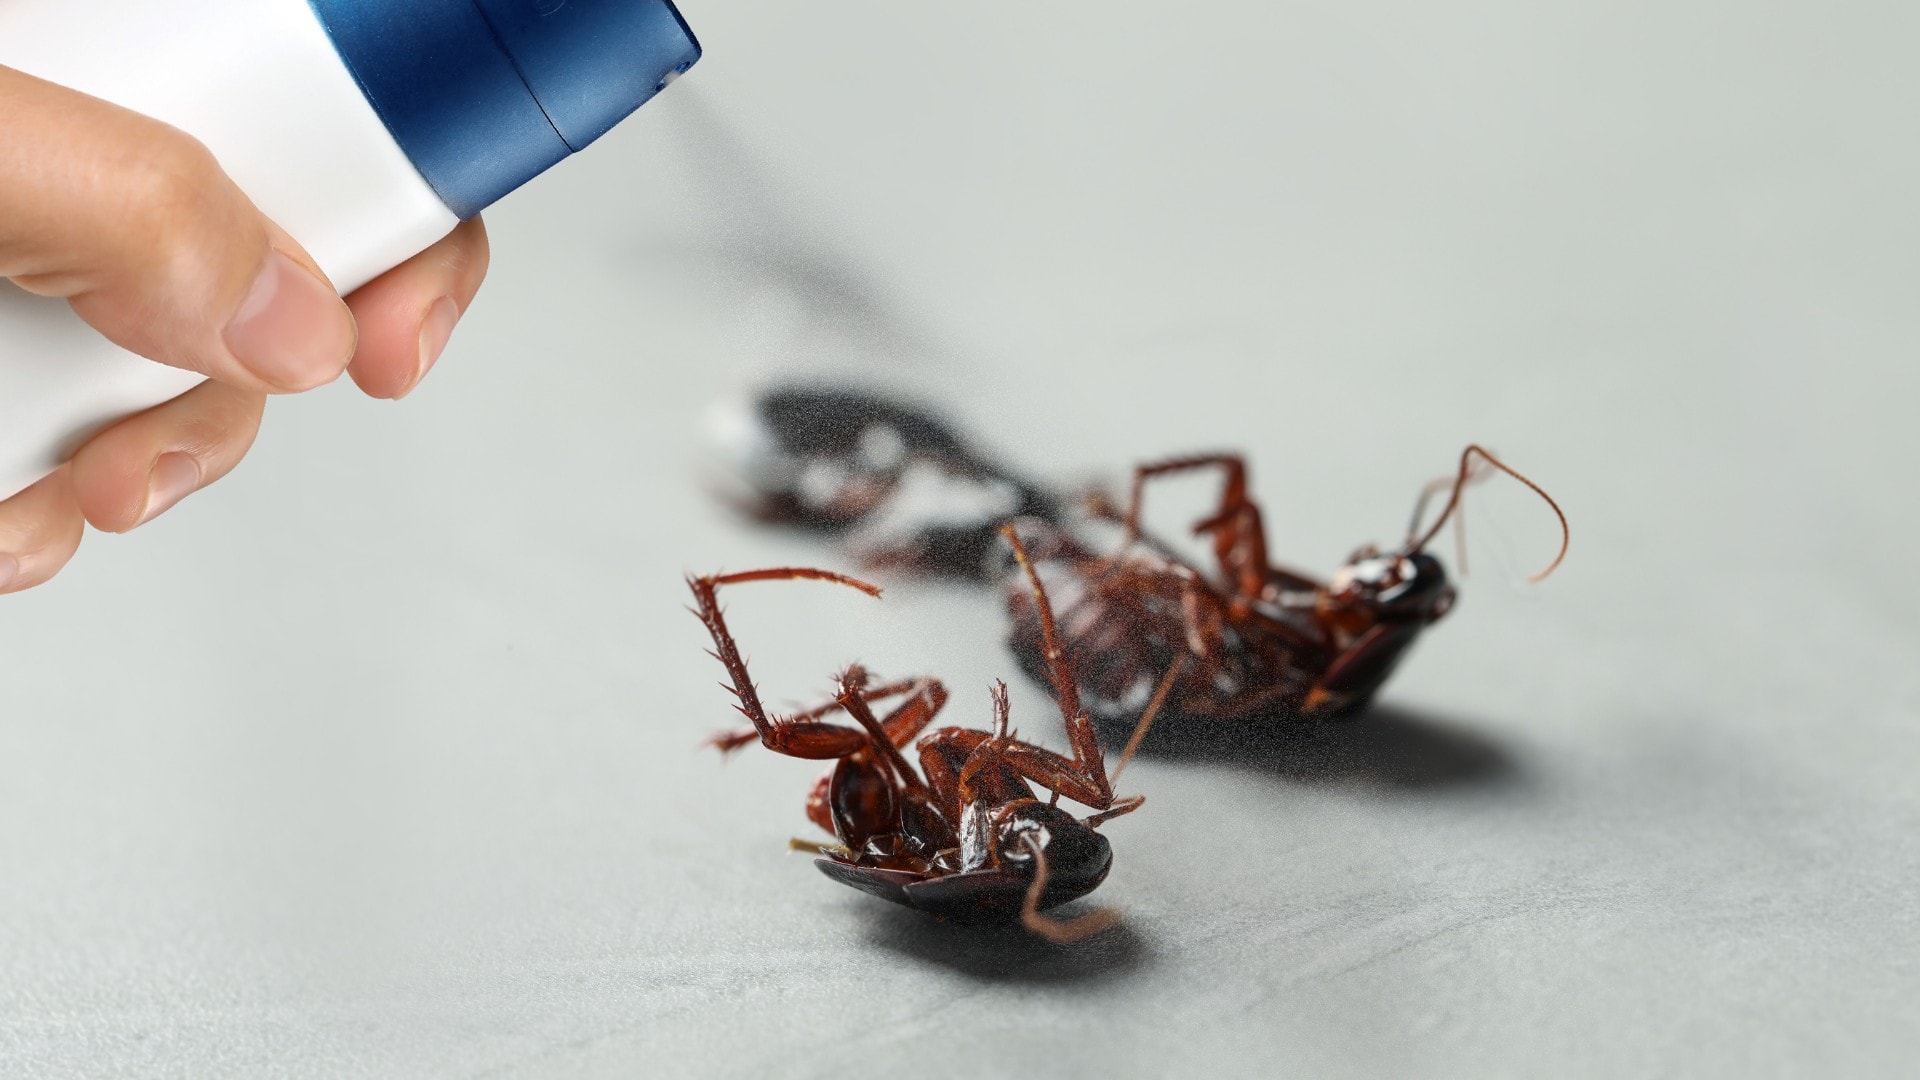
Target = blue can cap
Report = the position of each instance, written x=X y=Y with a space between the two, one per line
x=485 y=95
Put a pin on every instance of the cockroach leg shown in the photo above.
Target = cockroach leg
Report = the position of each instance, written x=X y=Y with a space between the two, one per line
x=812 y=739
x=1239 y=535
x=1120 y=806
x=1084 y=779
x=908 y=719
x=728 y=741
x=1146 y=718
x=856 y=705
x=1080 y=733
x=911 y=717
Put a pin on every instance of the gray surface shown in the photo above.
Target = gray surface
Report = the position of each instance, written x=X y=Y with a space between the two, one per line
x=380 y=760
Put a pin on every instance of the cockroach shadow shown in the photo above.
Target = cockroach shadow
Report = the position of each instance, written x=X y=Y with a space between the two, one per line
x=1006 y=953
x=1387 y=748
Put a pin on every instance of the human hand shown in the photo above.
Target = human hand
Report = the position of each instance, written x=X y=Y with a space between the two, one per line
x=134 y=223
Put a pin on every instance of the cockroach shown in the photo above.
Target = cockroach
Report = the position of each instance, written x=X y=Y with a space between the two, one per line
x=895 y=483
x=964 y=837
x=1254 y=638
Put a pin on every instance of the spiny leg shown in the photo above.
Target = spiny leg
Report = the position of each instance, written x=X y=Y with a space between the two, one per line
x=729 y=741
x=1058 y=931
x=884 y=748
x=1131 y=803
x=1083 y=778
x=1088 y=774
x=1055 y=772
x=928 y=697
x=1239 y=535
x=810 y=739
x=912 y=716
x=1240 y=546
x=944 y=755
x=1233 y=493
x=915 y=812
x=984 y=754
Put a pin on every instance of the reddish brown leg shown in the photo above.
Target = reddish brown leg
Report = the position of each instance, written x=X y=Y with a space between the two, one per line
x=920 y=817
x=1049 y=769
x=903 y=723
x=852 y=685
x=1361 y=668
x=1083 y=778
x=1086 y=774
x=945 y=753
x=799 y=738
x=1104 y=509
x=1146 y=718
x=1239 y=536
x=913 y=715
x=1240 y=545
x=1256 y=698
x=1233 y=493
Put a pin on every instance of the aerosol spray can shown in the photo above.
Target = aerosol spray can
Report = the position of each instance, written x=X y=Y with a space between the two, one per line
x=366 y=128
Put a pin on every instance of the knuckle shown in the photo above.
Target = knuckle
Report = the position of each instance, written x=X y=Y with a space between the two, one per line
x=174 y=194
x=172 y=174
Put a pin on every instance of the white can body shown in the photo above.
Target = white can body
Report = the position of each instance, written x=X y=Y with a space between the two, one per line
x=257 y=81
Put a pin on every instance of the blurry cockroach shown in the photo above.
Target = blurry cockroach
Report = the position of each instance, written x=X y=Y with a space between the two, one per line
x=894 y=483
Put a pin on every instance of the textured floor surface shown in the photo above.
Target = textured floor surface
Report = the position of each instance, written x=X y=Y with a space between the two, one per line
x=380 y=759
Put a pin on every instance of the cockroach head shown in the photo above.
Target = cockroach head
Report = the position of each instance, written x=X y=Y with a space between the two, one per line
x=1399 y=586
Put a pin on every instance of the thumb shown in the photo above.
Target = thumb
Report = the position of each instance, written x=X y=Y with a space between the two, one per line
x=134 y=224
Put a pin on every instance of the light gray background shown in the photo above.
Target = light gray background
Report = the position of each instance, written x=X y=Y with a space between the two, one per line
x=380 y=759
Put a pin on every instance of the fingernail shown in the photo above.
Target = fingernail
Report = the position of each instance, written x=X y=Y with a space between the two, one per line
x=435 y=332
x=9 y=571
x=174 y=477
x=291 y=330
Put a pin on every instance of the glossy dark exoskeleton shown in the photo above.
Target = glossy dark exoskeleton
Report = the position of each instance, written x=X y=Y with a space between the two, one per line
x=896 y=483
x=964 y=836
x=1254 y=638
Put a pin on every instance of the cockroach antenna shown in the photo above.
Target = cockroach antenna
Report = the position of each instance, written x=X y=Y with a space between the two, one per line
x=1460 y=481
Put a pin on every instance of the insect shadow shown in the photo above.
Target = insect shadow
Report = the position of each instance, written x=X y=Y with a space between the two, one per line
x=1006 y=953
x=1388 y=748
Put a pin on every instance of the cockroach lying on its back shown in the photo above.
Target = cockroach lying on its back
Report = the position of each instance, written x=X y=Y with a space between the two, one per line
x=895 y=483
x=1252 y=639
x=965 y=836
